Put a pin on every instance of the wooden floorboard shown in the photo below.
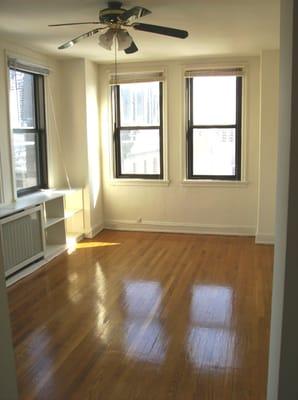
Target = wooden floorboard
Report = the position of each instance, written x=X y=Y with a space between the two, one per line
x=131 y=315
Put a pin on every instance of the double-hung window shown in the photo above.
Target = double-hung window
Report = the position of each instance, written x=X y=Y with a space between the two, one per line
x=137 y=109
x=214 y=125
x=27 y=115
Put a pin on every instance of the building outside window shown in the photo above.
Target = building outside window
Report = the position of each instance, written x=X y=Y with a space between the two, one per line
x=27 y=111
x=138 y=133
x=214 y=125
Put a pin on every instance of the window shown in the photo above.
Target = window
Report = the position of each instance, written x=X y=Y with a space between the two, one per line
x=138 y=133
x=214 y=109
x=27 y=112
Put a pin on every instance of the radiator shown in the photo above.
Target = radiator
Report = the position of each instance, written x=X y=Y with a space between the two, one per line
x=21 y=239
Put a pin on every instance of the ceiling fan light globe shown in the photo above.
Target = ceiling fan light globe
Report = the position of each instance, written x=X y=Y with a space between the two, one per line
x=124 y=39
x=106 y=39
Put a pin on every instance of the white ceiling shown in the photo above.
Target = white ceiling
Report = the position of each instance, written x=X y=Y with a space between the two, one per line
x=216 y=27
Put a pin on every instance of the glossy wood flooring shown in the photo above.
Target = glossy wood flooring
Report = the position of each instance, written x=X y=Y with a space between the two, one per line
x=144 y=316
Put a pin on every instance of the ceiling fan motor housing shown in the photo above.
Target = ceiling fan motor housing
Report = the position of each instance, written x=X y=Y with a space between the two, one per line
x=112 y=13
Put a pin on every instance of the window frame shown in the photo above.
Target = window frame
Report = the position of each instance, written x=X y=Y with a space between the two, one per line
x=238 y=126
x=116 y=127
x=39 y=131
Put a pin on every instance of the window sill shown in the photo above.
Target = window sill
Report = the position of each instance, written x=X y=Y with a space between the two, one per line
x=139 y=182
x=213 y=183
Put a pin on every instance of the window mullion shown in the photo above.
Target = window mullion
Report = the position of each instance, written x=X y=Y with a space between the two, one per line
x=117 y=129
x=138 y=128
x=189 y=137
x=238 y=126
x=232 y=126
x=161 y=166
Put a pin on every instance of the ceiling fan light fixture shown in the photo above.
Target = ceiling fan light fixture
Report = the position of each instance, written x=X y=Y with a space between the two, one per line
x=66 y=45
x=124 y=39
x=106 y=39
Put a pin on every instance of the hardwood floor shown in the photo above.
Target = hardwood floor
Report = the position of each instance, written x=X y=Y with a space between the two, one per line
x=146 y=316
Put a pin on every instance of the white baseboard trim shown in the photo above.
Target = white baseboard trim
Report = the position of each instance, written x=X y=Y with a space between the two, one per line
x=177 y=227
x=94 y=231
x=262 y=238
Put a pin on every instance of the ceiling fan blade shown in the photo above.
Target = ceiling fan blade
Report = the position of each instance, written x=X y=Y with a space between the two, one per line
x=70 y=43
x=132 y=48
x=76 y=23
x=161 y=30
x=134 y=13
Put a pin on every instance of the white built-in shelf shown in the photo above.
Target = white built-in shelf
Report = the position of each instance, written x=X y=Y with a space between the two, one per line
x=62 y=224
x=71 y=213
x=24 y=272
x=52 y=221
x=54 y=250
x=72 y=237
x=29 y=201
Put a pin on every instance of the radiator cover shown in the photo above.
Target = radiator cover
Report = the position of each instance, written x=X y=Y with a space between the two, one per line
x=22 y=239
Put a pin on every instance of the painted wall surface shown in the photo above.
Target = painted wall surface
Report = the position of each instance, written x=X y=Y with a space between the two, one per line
x=269 y=97
x=95 y=188
x=74 y=92
x=223 y=208
x=80 y=135
x=281 y=257
x=73 y=121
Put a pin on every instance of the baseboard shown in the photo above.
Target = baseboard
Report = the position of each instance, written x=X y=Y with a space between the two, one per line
x=262 y=238
x=176 y=227
x=94 y=231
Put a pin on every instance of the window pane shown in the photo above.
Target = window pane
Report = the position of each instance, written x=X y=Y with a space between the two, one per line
x=214 y=151
x=140 y=152
x=22 y=100
x=139 y=104
x=214 y=100
x=25 y=160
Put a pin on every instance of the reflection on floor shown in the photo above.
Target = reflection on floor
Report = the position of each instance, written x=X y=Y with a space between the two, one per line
x=211 y=338
x=146 y=316
x=144 y=334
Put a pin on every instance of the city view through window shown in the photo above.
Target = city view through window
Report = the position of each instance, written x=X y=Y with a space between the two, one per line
x=214 y=120
x=140 y=128
x=23 y=124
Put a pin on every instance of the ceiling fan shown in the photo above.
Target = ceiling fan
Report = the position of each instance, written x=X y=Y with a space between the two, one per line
x=115 y=20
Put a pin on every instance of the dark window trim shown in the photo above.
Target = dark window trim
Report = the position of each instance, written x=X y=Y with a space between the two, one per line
x=116 y=135
x=190 y=127
x=40 y=134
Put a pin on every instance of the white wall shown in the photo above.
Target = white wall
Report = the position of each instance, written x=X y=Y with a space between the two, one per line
x=269 y=96
x=72 y=101
x=95 y=188
x=80 y=136
x=73 y=121
x=230 y=208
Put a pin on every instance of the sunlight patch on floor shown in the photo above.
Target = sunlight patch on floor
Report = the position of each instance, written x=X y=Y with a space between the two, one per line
x=73 y=245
